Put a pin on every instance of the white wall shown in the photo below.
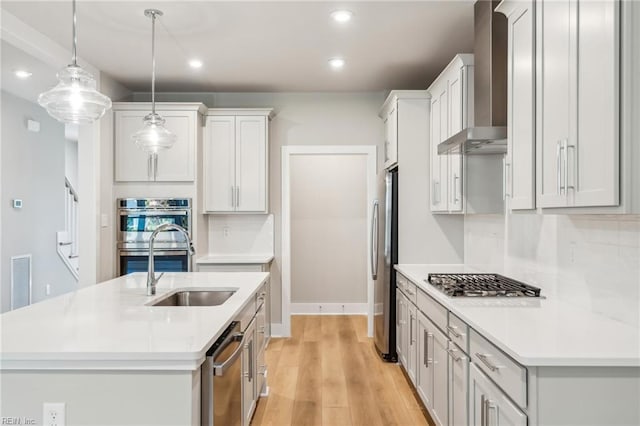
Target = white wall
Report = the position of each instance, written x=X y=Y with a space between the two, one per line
x=301 y=119
x=329 y=210
x=250 y=234
x=597 y=257
x=33 y=169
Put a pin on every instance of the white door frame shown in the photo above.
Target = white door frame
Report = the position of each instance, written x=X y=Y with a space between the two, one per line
x=288 y=152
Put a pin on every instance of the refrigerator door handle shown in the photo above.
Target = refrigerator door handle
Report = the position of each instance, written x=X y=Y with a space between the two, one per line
x=374 y=241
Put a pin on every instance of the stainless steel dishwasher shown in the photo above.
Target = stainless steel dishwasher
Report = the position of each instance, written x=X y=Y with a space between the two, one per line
x=221 y=380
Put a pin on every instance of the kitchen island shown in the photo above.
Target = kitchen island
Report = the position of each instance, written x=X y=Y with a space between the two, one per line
x=113 y=358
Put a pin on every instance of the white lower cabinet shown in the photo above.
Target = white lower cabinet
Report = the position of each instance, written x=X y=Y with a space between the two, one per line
x=401 y=327
x=249 y=397
x=432 y=370
x=412 y=342
x=489 y=406
x=458 y=386
x=440 y=367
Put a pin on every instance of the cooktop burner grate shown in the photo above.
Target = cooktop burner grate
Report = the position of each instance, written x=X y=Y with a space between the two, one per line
x=478 y=285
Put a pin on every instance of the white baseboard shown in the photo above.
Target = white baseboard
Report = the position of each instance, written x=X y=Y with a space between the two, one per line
x=329 y=308
x=277 y=330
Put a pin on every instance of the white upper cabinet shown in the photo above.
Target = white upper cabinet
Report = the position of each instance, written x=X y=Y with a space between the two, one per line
x=578 y=103
x=236 y=161
x=519 y=168
x=451 y=111
x=176 y=164
x=403 y=124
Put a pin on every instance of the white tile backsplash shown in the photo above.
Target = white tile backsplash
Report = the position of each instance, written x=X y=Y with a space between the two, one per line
x=598 y=257
x=241 y=234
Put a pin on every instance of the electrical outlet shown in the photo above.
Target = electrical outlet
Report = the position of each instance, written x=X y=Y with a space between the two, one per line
x=53 y=414
x=225 y=231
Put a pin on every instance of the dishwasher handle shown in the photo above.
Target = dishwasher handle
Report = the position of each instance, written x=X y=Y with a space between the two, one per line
x=219 y=368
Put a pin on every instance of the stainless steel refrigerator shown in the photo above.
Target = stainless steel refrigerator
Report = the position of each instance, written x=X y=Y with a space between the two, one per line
x=384 y=255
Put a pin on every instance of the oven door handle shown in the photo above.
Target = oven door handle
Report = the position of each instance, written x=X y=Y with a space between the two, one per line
x=154 y=213
x=220 y=368
x=155 y=252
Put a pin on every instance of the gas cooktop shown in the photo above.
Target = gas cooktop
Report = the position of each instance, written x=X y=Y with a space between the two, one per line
x=481 y=285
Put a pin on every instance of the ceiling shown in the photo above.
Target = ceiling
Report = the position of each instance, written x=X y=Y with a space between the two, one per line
x=262 y=46
x=13 y=59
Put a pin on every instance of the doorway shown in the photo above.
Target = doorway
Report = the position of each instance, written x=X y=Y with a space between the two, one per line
x=327 y=198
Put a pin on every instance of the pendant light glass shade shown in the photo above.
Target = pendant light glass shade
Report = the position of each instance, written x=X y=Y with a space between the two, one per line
x=153 y=137
x=75 y=98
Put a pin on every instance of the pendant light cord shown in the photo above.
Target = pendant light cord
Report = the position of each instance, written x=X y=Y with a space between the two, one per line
x=153 y=63
x=74 y=55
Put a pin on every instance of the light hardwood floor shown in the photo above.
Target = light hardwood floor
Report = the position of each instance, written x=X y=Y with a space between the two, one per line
x=328 y=374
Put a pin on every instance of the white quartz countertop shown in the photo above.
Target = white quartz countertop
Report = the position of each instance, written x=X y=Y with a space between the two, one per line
x=110 y=325
x=225 y=259
x=537 y=331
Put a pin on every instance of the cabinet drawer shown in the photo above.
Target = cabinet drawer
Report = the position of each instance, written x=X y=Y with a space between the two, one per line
x=408 y=288
x=458 y=332
x=504 y=371
x=433 y=310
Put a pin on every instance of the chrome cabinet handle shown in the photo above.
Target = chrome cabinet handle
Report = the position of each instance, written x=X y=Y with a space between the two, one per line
x=436 y=192
x=456 y=178
x=452 y=354
x=237 y=196
x=429 y=360
x=566 y=166
x=559 y=149
x=453 y=330
x=233 y=197
x=483 y=408
x=485 y=360
x=149 y=166
x=507 y=167
x=426 y=349
x=155 y=167
x=411 y=336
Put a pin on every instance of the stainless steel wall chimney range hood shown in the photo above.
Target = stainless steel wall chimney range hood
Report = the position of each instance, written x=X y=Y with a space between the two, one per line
x=489 y=133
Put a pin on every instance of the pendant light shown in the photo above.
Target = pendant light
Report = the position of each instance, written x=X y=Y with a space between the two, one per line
x=153 y=137
x=75 y=98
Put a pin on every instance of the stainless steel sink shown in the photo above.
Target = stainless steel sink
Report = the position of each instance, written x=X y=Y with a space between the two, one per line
x=195 y=298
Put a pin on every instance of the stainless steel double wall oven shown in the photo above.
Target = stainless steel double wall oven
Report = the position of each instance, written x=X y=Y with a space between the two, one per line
x=137 y=219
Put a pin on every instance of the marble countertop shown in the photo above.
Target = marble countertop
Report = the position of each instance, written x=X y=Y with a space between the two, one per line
x=110 y=325
x=537 y=332
x=225 y=259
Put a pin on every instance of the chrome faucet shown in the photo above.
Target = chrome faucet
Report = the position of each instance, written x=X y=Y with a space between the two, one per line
x=151 y=273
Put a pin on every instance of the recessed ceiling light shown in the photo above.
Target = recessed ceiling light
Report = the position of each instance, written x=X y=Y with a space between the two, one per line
x=342 y=16
x=22 y=74
x=336 y=63
x=195 y=63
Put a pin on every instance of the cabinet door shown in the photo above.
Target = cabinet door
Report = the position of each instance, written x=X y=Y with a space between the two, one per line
x=248 y=374
x=176 y=164
x=438 y=162
x=220 y=164
x=425 y=359
x=440 y=377
x=412 y=346
x=458 y=386
x=488 y=405
x=554 y=81
x=455 y=103
x=593 y=165
x=251 y=163
x=131 y=163
x=391 y=145
x=520 y=163
x=399 y=311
